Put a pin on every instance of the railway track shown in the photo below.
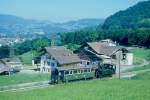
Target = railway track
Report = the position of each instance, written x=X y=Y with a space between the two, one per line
x=25 y=86
x=44 y=84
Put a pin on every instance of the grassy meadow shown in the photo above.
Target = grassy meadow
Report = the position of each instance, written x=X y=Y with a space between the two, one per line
x=139 y=55
x=140 y=52
x=137 y=88
x=22 y=78
x=134 y=89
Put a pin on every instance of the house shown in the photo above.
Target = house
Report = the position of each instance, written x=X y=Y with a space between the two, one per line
x=58 y=56
x=104 y=52
x=4 y=68
x=14 y=63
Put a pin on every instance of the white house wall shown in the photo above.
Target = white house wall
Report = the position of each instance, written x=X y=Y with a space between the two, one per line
x=46 y=63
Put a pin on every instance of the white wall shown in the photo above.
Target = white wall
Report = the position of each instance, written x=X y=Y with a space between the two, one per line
x=47 y=63
x=130 y=58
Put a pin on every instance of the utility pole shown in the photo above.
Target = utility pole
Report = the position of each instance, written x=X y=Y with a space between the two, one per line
x=119 y=64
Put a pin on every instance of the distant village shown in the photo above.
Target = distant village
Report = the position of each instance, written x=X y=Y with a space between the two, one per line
x=89 y=54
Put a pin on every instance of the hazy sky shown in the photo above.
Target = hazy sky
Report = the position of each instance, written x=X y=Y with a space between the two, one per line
x=63 y=10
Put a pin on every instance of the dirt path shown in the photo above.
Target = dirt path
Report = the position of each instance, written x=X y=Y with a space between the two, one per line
x=126 y=67
x=25 y=86
x=132 y=74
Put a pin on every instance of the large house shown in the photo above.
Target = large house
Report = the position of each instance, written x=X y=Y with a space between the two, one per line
x=58 y=57
x=104 y=51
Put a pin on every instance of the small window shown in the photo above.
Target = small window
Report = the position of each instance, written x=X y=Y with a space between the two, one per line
x=124 y=57
x=81 y=70
x=85 y=70
x=75 y=71
x=92 y=70
x=49 y=63
x=66 y=72
x=88 y=63
x=52 y=64
x=71 y=72
x=114 y=57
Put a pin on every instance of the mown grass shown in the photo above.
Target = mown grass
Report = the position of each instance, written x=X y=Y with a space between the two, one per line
x=139 y=55
x=27 y=57
x=141 y=52
x=136 y=89
x=143 y=76
x=137 y=60
x=22 y=78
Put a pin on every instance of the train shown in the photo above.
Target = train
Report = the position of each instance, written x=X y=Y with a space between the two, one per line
x=67 y=74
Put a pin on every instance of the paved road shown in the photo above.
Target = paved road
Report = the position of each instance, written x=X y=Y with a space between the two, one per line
x=126 y=67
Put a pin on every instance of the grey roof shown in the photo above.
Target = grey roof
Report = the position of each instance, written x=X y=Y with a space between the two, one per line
x=4 y=67
x=103 y=48
x=62 y=55
x=17 y=60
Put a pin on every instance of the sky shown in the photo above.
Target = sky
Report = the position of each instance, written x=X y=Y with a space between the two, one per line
x=63 y=10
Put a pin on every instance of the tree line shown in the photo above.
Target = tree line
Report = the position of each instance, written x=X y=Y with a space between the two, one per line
x=130 y=37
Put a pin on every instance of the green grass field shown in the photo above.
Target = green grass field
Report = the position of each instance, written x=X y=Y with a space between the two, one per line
x=22 y=78
x=26 y=58
x=141 y=52
x=139 y=55
x=135 y=89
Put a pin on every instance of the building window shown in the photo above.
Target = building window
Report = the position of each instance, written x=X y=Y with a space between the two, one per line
x=114 y=57
x=66 y=72
x=88 y=63
x=75 y=71
x=123 y=56
x=52 y=64
x=85 y=70
x=71 y=72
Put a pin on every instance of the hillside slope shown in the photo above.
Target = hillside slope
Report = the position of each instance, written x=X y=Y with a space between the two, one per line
x=137 y=16
x=10 y=24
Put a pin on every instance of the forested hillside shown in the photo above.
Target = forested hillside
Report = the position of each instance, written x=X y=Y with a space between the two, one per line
x=134 y=17
x=129 y=27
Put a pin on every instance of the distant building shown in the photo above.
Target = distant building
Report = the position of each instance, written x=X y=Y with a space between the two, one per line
x=104 y=51
x=14 y=63
x=4 y=68
x=58 y=57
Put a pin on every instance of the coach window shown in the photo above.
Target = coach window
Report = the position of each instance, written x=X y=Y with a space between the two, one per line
x=85 y=70
x=66 y=72
x=81 y=70
x=75 y=71
x=93 y=70
x=71 y=72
